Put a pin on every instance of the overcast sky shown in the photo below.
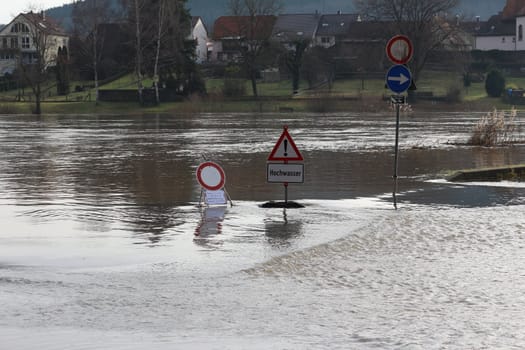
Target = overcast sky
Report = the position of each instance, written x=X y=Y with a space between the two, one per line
x=10 y=8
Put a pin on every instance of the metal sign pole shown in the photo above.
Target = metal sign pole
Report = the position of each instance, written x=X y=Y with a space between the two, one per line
x=399 y=79
x=396 y=156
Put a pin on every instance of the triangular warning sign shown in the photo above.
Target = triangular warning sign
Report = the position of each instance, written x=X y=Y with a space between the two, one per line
x=285 y=149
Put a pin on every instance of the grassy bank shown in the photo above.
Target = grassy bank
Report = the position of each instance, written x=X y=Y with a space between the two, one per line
x=344 y=95
x=317 y=104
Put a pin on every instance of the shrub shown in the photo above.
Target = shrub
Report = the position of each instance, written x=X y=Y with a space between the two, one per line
x=453 y=94
x=467 y=79
x=495 y=83
x=234 y=82
x=494 y=129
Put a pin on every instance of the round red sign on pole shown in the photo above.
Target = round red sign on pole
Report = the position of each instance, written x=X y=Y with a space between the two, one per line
x=211 y=176
x=399 y=49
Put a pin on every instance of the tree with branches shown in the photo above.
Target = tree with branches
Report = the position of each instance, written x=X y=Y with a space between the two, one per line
x=294 y=60
x=163 y=51
x=38 y=52
x=88 y=18
x=255 y=22
x=423 y=21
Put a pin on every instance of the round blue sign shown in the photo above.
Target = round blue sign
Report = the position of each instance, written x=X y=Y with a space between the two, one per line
x=398 y=79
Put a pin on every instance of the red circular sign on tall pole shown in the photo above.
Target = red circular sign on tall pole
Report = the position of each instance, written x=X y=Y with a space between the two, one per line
x=211 y=176
x=399 y=49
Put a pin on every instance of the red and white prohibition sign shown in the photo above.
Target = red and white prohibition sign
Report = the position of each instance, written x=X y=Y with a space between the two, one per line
x=399 y=49
x=211 y=176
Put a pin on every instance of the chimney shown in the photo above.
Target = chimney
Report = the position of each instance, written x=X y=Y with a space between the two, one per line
x=43 y=15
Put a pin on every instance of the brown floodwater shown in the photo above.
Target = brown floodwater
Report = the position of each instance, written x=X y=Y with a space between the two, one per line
x=103 y=243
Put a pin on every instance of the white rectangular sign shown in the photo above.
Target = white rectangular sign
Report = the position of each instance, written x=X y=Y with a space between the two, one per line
x=292 y=173
x=215 y=197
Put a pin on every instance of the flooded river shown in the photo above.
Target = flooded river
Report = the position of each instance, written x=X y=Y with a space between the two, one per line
x=103 y=244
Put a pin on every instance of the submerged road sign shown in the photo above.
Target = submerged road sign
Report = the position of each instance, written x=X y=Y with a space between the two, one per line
x=285 y=149
x=398 y=79
x=398 y=99
x=285 y=173
x=211 y=176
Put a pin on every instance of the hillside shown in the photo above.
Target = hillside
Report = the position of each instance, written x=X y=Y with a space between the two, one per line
x=210 y=10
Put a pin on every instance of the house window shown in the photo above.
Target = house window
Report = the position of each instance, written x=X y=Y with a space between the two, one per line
x=325 y=40
x=4 y=43
x=25 y=42
x=6 y=57
x=14 y=43
x=520 y=32
x=19 y=28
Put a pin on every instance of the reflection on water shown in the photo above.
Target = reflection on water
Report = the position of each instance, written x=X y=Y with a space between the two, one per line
x=133 y=173
x=280 y=231
x=211 y=221
x=149 y=161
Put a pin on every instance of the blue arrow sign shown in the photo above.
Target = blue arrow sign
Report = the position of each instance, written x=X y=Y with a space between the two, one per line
x=398 y=79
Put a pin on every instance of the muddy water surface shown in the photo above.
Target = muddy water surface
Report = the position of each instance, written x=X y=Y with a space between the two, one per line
x=103 y=245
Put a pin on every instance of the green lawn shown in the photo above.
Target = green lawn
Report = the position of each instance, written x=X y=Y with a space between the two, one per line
x=82 y=102
x=128 y=81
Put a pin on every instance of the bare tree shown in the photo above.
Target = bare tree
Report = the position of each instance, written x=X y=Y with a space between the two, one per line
x=138 y=6
x=161 y=28
x=39 y=46
x=255 y=22
x=88 y=18
x=136 y=16
x=294 y=61
x=423 y=21
x=160 y=33
x=164 y=26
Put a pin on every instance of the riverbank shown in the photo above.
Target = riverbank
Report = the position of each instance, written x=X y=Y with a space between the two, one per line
x=195 y=104
x=437 y=92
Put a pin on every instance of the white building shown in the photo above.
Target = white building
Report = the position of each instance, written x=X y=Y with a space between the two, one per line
x=504 y=31
x=497 y=34
x=17 y=41
x=199 y=33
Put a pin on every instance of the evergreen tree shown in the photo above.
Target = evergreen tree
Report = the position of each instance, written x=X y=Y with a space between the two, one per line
x=495 y=83
x=62 y=71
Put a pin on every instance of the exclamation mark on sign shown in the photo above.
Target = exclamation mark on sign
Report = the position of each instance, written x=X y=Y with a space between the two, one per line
x=286 y=148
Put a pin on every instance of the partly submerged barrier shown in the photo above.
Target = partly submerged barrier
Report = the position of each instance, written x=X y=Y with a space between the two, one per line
x=508 y=173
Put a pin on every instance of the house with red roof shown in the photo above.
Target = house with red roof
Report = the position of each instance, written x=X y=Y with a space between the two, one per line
x=231 y=34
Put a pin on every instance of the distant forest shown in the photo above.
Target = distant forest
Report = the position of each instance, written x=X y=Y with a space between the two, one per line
x=210 y=10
